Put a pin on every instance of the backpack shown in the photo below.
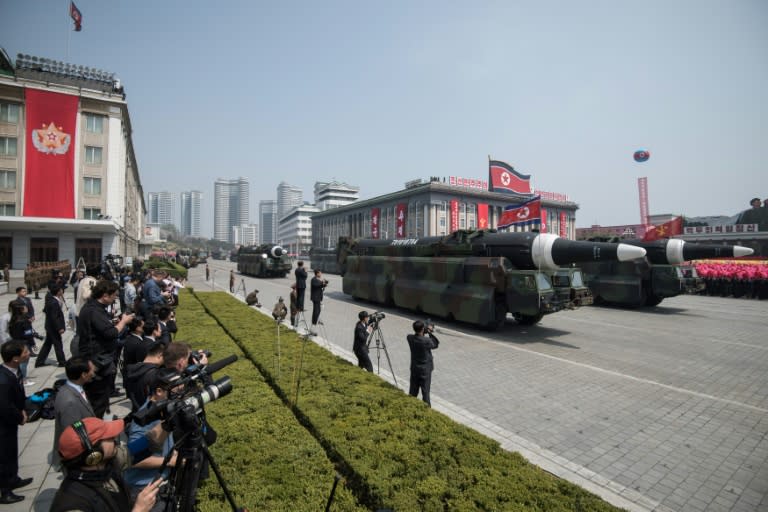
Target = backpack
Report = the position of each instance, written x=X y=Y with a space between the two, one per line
x=41 y=404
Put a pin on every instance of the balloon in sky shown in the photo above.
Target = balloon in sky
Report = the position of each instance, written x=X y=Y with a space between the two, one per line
x=641 y=155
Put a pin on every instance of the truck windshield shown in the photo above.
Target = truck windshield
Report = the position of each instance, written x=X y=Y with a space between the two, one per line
x=543 y=282
x=576 y=279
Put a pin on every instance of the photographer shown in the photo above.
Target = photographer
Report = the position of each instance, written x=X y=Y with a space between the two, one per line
x=98 y=342
x=317 y=285
x=421 y=343
x=145 y=471
x=360 y=345
x=88 y=449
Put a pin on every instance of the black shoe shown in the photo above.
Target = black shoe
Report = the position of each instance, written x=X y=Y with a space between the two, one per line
x=7 y=499
x=21 y=482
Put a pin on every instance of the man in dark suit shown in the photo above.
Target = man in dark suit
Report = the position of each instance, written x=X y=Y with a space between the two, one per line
x=71 y=403
x=54 y=326
x=421 y=343
x=301 y=284
x=317 y=285
x=12 y=414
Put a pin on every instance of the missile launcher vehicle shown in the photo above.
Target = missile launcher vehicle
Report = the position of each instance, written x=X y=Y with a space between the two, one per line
x=266 y=260
x=476 y=277
x=661 y=274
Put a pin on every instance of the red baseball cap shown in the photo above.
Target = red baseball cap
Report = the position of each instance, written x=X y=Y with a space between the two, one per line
x=70 y=444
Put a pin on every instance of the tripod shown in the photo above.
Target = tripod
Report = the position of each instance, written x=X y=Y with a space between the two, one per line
x=377 y=336
x=241 y=286
x=184 y=477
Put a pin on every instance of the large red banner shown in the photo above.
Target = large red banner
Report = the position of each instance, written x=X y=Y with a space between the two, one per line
x=482 y=215
x=563 y=225
x=642 y=188
x=543 y=227
x=375 y=216
x=454 y=215
x=400 y=214
x=49 y=178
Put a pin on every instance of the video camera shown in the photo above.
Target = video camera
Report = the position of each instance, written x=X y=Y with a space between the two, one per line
x=172 y=411
x=376 y=317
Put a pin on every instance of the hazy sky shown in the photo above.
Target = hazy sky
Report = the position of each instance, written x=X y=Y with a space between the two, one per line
x=378 y=93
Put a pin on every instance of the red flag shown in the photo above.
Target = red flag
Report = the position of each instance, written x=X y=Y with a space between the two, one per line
x=521 y=215
x=49 y=181
x=375 y=215
x=666 y=230
x=76 y=16
x=482 y=215
x=401 y=210
x=454 y=214
x=504 y=178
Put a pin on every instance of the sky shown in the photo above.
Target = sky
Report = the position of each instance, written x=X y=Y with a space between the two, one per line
x=375 y=94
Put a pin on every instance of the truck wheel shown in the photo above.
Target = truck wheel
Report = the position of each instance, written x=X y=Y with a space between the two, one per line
x=527 y=319
x=652 y=300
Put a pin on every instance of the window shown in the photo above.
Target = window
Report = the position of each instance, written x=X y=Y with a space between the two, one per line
x=9 y=113
x=92 y=155
x=91 y=213
x=43 y=249
x=8 y=209
x=7 y=146
x=93 y=186
x=7 y=179
x=94 y=123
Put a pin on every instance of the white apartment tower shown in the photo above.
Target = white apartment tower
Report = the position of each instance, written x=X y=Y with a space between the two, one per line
x=288 y=198
x=230 y=206
x=190 y=213
x=162 y=208
x=268 y=222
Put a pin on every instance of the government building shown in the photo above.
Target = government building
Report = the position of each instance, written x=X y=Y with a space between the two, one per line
x=436 y=207
x=69 y=181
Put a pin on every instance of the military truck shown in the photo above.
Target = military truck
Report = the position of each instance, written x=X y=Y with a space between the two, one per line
x=266 y=260
x=471 y=276
x=570 y=287
x=662 y=273
x=325 y=260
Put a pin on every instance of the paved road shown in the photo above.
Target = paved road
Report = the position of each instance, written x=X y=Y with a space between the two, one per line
x=662 y=409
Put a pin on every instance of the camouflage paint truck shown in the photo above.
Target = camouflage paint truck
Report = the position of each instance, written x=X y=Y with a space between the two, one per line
x=324 y=260
x=471 y=276
x=661 y=274
x=266 y=260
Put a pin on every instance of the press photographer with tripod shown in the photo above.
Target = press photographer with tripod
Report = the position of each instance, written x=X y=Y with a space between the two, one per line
x=317 y=286
x=360 y=345
x=421 y=343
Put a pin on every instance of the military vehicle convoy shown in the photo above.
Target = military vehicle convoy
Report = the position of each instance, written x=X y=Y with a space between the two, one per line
x=476 y=277
x=266 y=260
x=646 y=281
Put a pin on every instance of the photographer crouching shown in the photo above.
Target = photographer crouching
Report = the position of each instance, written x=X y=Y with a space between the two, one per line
x=421 y=343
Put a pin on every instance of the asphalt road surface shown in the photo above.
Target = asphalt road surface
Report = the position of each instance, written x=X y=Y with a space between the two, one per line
x=657 y=409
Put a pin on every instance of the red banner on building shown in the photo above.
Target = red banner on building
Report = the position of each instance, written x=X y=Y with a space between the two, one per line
x=543 y=227
x=401 y=210
x=642 y=189
x=454 y=215
x=49 y=178
x=375 y=217
x=563 y=225
x=482 y=216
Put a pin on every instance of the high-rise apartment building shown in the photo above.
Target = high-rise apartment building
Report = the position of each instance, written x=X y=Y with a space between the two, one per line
x=161 y=208
x=288 y=198
x=335 y=194
x=231 y=202
x=268 y=222
x=245 y=234
x=190 y=213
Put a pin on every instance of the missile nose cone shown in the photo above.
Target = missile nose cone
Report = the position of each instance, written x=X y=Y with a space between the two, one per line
x=739 y=251
x=626 y=252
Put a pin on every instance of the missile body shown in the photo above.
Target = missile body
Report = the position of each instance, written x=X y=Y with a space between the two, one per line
x=526 y=251
x=673 y=251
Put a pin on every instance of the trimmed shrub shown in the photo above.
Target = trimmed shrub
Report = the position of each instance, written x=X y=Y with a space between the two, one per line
x=393 y=450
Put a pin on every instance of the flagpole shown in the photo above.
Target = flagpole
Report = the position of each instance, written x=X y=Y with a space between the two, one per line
x=69 y=32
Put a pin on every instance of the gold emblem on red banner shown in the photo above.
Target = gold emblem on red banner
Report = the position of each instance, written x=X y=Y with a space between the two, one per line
x=51 y=139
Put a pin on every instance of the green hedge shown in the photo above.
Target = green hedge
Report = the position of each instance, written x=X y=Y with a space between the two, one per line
x=172 y=268
x=268 y=460
x=393 y=451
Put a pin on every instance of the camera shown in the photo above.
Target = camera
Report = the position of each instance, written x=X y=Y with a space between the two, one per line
x=195 y=356
x=167 y=410
x=429 y=326
x=376 y=317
